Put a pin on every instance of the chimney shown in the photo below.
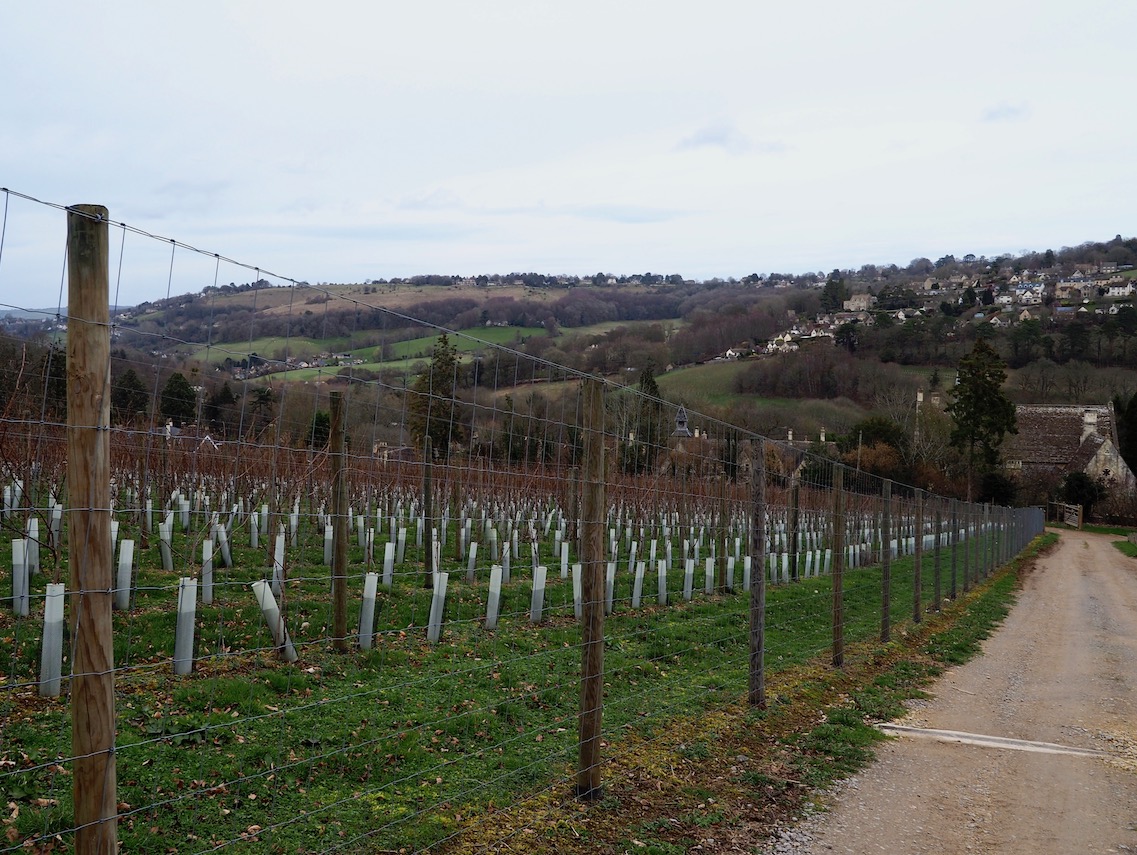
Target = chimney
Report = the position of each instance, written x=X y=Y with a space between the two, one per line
x=1089 y=424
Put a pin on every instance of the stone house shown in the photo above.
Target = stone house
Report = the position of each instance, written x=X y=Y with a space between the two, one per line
x=1057 y=439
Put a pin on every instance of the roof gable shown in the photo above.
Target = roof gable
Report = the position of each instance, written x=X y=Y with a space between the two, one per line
x=1061 y=436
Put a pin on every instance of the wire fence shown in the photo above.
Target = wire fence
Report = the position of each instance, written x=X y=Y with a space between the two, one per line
x=306 y=589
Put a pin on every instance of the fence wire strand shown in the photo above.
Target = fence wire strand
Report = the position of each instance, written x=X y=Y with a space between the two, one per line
x=238 y=721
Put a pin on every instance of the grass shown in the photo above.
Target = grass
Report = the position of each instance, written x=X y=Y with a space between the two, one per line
x=406 y=744
x=712 y=385
x=1126 y=548
x=401 y=356
x=755 y=767
x=268 y=348
x=834 y=749
x=1124 y=531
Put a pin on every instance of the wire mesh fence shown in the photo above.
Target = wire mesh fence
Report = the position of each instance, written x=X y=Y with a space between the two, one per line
x=369 y=582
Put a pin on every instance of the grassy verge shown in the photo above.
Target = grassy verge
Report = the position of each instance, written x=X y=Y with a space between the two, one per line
x=1126 y=548
x=413 y=745
x=736 y=769
x=1123 y=531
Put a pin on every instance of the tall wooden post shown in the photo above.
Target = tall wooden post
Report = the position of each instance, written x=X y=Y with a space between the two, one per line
x=795 y=513
x=720 y=537
x=838 y=565
x=990 y=514
x=758 y=576
x=593 y=509
x=94 y=783
x=428 y=568
x=967 y=537
x=954 y=542
x=918 y=562
x=937 y=577
x=886 y=563
x=574 y=511
x=339 y=526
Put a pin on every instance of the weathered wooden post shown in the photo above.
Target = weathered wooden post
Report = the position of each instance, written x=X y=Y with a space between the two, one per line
x=428 y=568
x=966 y=523
x=954 y=542
x=794 y=524
x=918 y=561
x=593 y=508
x=938 y=554
x=838 y=565
x=339 y=526
x=757 y=695
x=720 y=537
x=94 y=783
x=886 y=562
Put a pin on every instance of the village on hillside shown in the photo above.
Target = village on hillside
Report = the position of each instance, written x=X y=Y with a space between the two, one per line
x=1091 y=290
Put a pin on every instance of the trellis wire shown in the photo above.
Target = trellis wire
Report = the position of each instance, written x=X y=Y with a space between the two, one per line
x=434 y=714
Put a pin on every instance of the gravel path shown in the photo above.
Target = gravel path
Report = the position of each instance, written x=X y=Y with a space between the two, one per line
x=1061 y=671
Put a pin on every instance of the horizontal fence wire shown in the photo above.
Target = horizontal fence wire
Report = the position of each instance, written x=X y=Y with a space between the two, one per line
x=349 y=579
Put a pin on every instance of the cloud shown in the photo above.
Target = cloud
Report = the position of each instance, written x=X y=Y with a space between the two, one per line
x=176 y=198
x=730 y=139
x=382 y=232
x=623 y=213
x=1006 y=113
x=438 y=199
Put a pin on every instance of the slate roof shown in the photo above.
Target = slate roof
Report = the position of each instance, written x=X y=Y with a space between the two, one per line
x=1050 y=435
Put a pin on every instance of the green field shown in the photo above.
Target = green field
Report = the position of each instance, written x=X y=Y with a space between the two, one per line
x=402 y=745
x=712 y=383
x=267 y=348
x=702 y=387
x=469 y=340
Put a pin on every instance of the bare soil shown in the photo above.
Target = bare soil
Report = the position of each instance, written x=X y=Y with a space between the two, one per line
x=1061 y=671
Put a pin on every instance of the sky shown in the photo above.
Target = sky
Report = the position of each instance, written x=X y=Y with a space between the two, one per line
x=343 y=141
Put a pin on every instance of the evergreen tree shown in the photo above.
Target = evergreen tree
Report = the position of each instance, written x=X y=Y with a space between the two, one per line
x=432 y=409
x=178 y=400
x=1078 y=488
x=834 y=294
x=220 y=409
x=321 y=429
x=981 y=412
x=129 y=398
x=642 y=439
x=1127 y=432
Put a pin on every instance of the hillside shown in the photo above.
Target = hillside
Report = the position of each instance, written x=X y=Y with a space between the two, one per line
x=772 y=352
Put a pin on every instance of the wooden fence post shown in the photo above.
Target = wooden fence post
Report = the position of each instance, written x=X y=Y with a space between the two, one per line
x=428 y=568
x=918 y=561
x=758 y=576
x=938 y=554
x=838 y=565
x=967 y=532
x=886 y=564
x=94 y=783
x=794 y=525
x=593 y=512
x=954 y=542
x=339 y=526
x=720 y=536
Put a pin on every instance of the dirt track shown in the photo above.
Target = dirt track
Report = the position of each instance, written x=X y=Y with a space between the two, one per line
x=1062 y=670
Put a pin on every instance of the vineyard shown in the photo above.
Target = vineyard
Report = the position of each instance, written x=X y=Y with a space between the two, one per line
x=234 y=632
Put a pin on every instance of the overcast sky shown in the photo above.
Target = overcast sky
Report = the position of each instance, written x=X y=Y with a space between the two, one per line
x=340 y=141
